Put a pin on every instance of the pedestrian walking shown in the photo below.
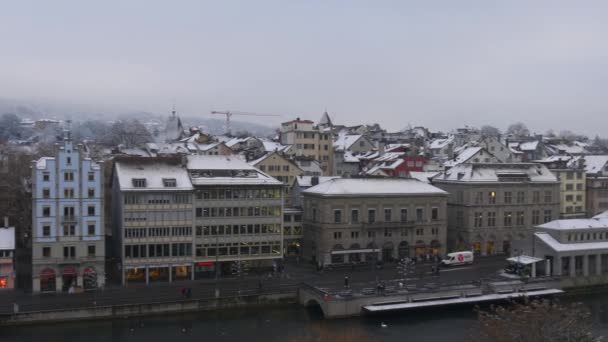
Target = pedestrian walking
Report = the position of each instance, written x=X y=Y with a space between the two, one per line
x=188 y=292
x=182 y=291
x=346 y=281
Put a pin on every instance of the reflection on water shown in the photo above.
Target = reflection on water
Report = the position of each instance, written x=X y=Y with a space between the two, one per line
x=279 y=324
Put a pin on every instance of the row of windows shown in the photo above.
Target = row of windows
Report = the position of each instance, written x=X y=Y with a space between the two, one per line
x=158 y=215
x=508 y=197
x=509 y=218
x=68 y=230
x=570 y=187
x=238 y=211
x=577 y=209
x=67 y=176
x=158 y=199
x=213 y=250
x=69 y=252
x=157 y=231
x=388 y=232
x=158 y=250
x=296 y=218
x=570 y=198
x=238 y=194
x=67 y=193
x=388 y=215
x=242 y=229
x=312 y=135
x=272 y=168
x=68 y=212
x=588 y=236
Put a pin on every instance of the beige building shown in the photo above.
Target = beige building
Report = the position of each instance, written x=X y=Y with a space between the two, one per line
x=309 y=141
x=279 y=167
x=491 y=205
x=572 y=189
x=596 y=173
x=293 y=233
x=350 y=220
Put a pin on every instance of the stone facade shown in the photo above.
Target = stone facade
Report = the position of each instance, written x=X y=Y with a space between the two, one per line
x=487 y=213
x=373 y=225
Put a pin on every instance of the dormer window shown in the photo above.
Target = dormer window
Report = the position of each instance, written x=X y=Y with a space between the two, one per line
x=169 y=182
x=139 y=182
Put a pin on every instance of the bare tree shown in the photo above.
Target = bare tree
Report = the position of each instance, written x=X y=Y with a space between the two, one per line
x=534 y=321
x=518 y=129
x=10 y=126
x=489 y=131
x=129 y=133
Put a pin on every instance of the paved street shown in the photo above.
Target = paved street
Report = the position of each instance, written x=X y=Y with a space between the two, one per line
x=359 y=277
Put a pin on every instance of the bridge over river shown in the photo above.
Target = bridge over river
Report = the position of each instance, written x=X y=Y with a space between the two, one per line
x=347 y=302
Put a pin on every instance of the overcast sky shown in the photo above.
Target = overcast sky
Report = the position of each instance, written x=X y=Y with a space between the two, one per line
x=439 y=64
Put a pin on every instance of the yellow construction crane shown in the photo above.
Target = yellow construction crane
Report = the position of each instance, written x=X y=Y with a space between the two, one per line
x=231 y=113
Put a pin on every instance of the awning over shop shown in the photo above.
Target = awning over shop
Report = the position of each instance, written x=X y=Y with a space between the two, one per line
x=70 y=271
x=524 y=260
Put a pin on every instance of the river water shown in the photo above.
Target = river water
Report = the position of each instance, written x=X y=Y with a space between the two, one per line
x=280 y=324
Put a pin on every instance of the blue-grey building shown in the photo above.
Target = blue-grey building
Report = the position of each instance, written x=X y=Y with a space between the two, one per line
x=67 y=221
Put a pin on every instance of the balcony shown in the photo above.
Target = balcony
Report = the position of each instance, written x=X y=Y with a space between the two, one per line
x=69 y=219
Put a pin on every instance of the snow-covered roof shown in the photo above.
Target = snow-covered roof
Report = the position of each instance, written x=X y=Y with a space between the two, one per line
x=154 y=172
x=593 y=164
x=464 y=156
x=424 y=176
x=525 y=259
x=345 y=141
x=440 y=143
x=199 y=162
x=306 y=181
x=570 y=247
x=374 y=187
x=529 y=145
x=603 y=215
x=552 y=159
x=497 y=172
x=388 y=165
x=7 y=238
x=226 y=170
x=569 y=149
x=271 y=146
x=573 y=224
x=41 y=163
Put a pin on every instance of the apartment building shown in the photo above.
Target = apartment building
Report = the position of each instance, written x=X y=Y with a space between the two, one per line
x=68 y=244
x=350 y=220
x=572 y=189
x=7 y=256
x=491 y=205
x=309 y=141
x=278 y=166
x=596 y=173
x=192 y=217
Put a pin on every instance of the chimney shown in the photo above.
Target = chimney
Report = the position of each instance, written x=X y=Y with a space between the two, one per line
x=5 y=221
x=314 y=180
x=380 y=148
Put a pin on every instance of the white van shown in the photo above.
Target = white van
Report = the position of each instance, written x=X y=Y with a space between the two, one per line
x=458 y=258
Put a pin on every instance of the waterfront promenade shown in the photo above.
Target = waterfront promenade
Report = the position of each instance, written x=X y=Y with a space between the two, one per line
x=294 y=273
